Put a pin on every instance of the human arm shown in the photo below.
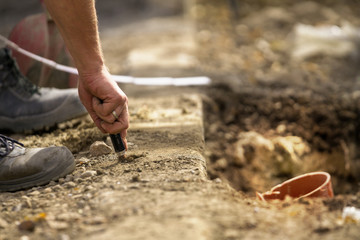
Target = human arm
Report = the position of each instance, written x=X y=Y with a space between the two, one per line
x=77 y=23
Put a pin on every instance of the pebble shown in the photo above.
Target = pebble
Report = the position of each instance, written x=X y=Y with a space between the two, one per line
x=27 y=225
x=96 y=220
x=69 y=178
x=68 y=216
x=27 y=201
x=88 y=174
x=82 y=160
x=136 y=178
x=58 y=225
x=70 y=185
x=34 y=193
x=61 y=180
x=58 y=188
x=17 y=208
x=89 y=188
x=78 y=180
x=99 y=148
x=217 y=180
x=3 y=223
x=64 y=237
x=48 y=190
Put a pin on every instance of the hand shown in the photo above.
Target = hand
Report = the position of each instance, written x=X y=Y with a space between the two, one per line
x=101 y=96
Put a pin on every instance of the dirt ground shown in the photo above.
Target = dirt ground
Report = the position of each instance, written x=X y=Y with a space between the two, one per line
x=267 y=117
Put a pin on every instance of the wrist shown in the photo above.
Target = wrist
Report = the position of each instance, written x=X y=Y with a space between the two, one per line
x=91 y=68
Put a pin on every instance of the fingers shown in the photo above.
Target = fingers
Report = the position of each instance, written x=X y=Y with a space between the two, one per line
x=109 y=111
x=118 y=126
x=86 y=99
x=123 y=134
x=106 y=103
x=97 y=121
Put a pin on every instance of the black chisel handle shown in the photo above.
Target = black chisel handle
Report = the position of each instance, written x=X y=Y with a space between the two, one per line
x=118 y=143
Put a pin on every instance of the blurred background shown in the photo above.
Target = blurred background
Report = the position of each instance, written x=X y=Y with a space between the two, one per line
x=111 y=13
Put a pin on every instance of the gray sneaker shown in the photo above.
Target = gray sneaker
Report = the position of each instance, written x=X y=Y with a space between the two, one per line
x=22 y=168
x=24 y=106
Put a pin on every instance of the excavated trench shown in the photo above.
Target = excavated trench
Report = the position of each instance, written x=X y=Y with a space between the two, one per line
x=261 y=136
x=269 y=116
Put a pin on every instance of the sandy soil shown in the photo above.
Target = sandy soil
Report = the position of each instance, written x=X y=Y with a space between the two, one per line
x=306 y=111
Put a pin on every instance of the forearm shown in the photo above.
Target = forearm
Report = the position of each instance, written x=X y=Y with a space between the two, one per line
x=102 y=97
x=77 y=22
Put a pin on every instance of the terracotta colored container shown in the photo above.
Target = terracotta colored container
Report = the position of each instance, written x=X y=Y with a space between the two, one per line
x=316 y=184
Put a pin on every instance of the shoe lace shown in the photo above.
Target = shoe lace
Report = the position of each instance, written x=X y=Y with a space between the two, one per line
x=12 y=77
x=7 y=145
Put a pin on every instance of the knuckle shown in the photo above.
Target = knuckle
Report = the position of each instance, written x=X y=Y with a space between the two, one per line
x=123 y=99
x=126 y=125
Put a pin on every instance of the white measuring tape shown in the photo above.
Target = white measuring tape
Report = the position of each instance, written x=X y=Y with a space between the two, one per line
x=159 y=81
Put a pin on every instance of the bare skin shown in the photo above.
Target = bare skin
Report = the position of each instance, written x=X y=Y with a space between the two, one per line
x=77 y=23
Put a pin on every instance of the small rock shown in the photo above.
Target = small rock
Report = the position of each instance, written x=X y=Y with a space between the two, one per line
x=136 y=178
x=78 y=180
x=69 y=178
x=221 y=164
x=52 y=183
x=68 y=216
x=99 y=148
x=82 y=160
x=24 y=237
x=58 y=225
x=27 y=225
x=58 y=188
x=64 y=237
x=27 y=201
x=70 y=185
x=96 y=220
x=89 y=188
x=88 y=174
x=47 y=190
x=52 y=195
x=3 y=223
x=133 y=187
x=16 y=208
x=217 y=180
x=34 y=193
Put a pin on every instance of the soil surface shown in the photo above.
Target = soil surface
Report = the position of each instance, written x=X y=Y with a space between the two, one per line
x=267 y=117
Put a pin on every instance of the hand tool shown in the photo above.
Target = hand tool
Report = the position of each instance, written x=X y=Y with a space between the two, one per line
x=118 y=144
